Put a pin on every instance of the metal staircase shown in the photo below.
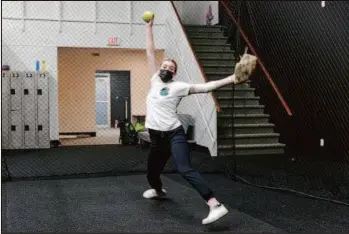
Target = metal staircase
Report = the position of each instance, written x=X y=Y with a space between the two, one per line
x=241 y=112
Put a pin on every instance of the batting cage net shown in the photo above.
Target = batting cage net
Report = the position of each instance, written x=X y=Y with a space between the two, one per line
x=75 y=80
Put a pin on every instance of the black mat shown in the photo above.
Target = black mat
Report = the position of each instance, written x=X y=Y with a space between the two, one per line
x=112 y=204
x=289 y=212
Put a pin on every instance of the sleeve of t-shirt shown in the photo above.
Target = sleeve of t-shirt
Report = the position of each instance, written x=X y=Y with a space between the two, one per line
x=155 y=78
x=182 y=89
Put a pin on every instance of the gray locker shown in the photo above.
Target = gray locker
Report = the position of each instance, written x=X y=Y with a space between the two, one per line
x=5 y=109
x=29 y=109
x=16 y=130
x=43 y=133
x=15 y=91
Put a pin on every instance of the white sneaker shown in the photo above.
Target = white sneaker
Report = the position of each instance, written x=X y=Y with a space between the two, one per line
x=151 y=193
x=216 y=213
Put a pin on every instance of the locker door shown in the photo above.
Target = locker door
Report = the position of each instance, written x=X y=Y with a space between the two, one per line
x=16 y=130
x=5 y=109
x=43 y=134
x=15 y=91
x=29 y=109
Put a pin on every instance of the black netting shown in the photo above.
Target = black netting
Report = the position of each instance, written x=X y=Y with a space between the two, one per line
x=93 y=61
x=92 y=161
x=301 y=46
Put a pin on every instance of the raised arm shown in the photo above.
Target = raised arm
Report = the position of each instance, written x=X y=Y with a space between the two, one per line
x=150 y=48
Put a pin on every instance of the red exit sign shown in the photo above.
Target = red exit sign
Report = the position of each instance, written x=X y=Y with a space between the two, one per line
x=113 y=41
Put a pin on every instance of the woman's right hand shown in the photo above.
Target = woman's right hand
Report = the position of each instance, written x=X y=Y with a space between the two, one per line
x=150 y=23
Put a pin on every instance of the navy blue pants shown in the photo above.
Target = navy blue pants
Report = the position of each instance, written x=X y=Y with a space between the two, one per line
x=165 y=144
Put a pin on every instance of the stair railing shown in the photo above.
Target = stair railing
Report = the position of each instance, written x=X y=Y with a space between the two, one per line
x=247 y=41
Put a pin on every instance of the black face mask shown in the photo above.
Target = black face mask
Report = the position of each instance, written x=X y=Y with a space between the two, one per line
x=166 y=75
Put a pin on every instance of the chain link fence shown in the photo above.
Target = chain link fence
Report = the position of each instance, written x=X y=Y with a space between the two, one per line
x=90 y=79
x=75 y=80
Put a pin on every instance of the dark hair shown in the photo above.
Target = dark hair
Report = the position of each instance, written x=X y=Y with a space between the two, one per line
x=174 y=62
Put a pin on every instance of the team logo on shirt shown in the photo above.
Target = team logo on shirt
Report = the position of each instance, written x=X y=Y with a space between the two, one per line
x=164 y=91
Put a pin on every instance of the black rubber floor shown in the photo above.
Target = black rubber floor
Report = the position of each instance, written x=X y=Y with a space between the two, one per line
x=289 y=212
x=112 y=204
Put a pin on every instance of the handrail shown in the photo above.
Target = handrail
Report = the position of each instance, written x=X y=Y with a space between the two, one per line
x=218 y=108
x=283 y=102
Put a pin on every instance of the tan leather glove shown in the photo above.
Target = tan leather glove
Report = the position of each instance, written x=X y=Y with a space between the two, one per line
x=245 y=67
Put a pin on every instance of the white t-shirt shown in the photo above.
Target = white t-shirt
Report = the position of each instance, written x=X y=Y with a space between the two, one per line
x=162 y=101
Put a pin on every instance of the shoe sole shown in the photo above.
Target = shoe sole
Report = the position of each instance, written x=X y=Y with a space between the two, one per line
x=155 y=197
x=219 y=217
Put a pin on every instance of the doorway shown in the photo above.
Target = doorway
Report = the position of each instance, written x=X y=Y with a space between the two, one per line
x=102 y=94
x=113 y=104
x=113 y=97
x=120 y=97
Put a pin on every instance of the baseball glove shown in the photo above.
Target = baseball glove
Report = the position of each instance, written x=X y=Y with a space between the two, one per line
x=245 y=67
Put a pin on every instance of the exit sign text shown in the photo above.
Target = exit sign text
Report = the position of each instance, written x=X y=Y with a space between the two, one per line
x=113 y=41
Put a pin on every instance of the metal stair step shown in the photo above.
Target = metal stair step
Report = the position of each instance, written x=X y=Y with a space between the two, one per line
x=224 y=129
x=219 y=76
x=228 y=100
x=200 y=28
x=218 y=59
x=220 y=48
x=251 y=149
x=212 y=62
x=238 y=91
x=261 y=146
x=220 y=65
x=244 y=139
x=243 y=119
x=211 y=68
x=228 y=116
x=230 y=87
x=216 y=55
x=206 y=45
x=243 y=106
x=212 y=50
x=202 y=36
x=221 y=73
x=214 y=41
x=203 y=26
x=241 y=86
x=243 y=109
x=205 y=33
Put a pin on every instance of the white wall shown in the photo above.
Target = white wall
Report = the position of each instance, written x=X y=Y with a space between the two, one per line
x=194 y=12
x=33 y=30
x=200 y=106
